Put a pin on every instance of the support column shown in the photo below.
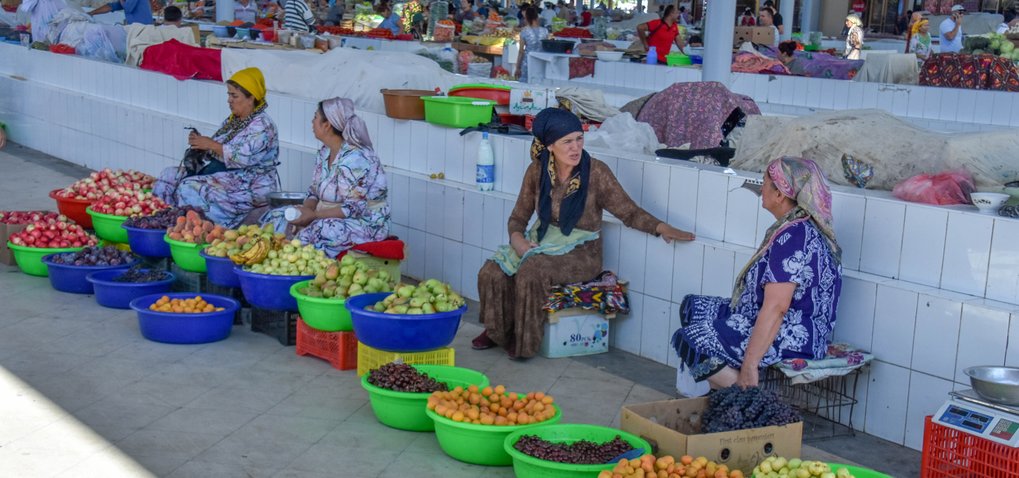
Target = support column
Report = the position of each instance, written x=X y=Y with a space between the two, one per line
x=224 y=11
x=788 y=10
x=806 y=16
x=719 y=27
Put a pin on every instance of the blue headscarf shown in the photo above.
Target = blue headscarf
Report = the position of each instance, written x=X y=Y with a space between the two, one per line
x=551 y=125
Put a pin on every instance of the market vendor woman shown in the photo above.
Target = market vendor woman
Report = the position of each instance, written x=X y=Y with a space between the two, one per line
x=661 y=34
x=243 y=157
x=569 y=190
x=347 y=201
x=785 y=298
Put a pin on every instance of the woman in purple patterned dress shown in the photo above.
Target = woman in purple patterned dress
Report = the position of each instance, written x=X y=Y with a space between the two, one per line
x=786 y=296
x=347 y=201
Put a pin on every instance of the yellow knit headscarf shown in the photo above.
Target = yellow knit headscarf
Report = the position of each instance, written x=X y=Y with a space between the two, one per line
x=251 y=79
x=917 y=25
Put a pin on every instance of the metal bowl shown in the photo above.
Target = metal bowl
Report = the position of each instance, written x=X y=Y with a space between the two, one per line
x=286 y=199
x=995 y=383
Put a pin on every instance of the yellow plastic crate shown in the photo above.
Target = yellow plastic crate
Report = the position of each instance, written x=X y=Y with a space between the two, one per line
x=369 y=358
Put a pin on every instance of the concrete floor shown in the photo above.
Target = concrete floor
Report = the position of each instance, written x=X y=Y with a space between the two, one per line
x=83 y=394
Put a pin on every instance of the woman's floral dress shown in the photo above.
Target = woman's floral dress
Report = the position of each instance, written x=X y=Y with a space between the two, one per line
x=228 y=197
x=714 y=335
x=358 y=185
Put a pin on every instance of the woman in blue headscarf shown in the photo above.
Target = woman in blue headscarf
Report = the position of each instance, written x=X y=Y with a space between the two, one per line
x=568 y=189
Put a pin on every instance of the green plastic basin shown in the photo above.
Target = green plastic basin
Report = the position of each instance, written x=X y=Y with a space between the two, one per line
x=406 y=411
x=107 y=226
x=186 y=255
x=458 y=112
x=526 y=466
x=479 y=444
x=29 y=259
x=858 y=472
x=320 y=313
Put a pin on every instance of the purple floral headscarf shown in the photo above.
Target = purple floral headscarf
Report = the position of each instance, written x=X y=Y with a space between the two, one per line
x=340 y=114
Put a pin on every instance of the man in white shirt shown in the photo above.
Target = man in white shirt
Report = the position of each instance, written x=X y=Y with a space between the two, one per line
x=951 y=31
x=245 y=11
x=548 y=14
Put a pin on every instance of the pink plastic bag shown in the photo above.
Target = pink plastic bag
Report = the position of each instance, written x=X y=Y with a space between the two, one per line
x=948 y=187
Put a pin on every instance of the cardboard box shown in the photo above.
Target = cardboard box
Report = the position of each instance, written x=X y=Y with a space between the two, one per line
x=530 y=101
x=672 y=427
x=759 y=35
x=6 y=256
x=573 y=332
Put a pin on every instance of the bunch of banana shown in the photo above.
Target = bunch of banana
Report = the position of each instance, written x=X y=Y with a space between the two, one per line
x=257 y=253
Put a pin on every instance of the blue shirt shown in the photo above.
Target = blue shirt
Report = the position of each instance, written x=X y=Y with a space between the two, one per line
x=392 y=23
x=135 y=11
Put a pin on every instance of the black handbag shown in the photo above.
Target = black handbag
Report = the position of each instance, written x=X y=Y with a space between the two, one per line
x=200 y=163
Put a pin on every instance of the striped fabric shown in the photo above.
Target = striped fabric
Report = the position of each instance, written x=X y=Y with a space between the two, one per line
x=298 y=16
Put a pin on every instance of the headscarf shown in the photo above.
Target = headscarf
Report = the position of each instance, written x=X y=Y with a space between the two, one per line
x=855 y=20
x=917 y=25
x=550 y=125
x=252 y=81
x=801 y=180
x=340 y=114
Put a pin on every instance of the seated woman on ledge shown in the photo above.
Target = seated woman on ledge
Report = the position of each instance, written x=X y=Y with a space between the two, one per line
x=346 y=202
x=785 y=298
x=244 y=152
x=569 y=190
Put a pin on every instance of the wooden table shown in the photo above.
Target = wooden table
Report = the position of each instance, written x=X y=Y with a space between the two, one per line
x=478 y=49
x=214 y=42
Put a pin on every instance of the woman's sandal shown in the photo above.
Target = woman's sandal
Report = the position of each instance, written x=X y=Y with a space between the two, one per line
x=482 y=342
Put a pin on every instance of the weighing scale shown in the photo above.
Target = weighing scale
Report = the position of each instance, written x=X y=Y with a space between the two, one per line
x=970 y=413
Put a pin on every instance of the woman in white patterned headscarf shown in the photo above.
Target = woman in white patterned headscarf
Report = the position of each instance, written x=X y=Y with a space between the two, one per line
x=347 y=201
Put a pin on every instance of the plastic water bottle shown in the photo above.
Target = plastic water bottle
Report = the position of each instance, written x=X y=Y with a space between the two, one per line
x=652 y=56
x=486 y=164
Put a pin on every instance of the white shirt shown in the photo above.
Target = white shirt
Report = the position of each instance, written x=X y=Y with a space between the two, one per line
x=950 y=46
x=246 y=13
x=548 y=14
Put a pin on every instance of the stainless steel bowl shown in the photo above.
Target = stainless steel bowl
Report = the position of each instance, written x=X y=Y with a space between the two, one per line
x=995 y=383
x=286 y=199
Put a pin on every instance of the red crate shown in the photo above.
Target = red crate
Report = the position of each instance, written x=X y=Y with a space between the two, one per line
x=948 y=452
x=337 y=348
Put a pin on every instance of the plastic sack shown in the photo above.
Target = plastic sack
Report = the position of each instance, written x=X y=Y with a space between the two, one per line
x=60 y=22
x=445 y=57
x=622 y=132
x=948 y=187
x=483 y=70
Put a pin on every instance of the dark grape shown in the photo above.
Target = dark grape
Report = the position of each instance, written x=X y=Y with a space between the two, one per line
x=138 y=274
x=581 y=452
x=401 y=377
x=734 y=408
x=161 y=219
x=95 y=256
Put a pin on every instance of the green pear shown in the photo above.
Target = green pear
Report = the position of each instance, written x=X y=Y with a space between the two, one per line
x=414 y=311
x=402 y=309
x=428 y=308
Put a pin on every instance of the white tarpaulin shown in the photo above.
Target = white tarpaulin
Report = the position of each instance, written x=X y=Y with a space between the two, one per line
x=897 y=150
x=623 y=133
x=344 y=72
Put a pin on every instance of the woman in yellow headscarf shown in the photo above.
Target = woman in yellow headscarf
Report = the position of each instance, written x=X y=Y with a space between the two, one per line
x=920 y=40
x=235 y=169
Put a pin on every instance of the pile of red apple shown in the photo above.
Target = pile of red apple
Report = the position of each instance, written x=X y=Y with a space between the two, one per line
x=100 y=182
x=128 y=203
x=25 y=217
x=53 y=233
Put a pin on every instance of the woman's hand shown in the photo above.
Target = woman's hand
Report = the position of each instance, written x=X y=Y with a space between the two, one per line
x=520 y=244
x=306 y=217
x=670 y=233
x=198 y=141
x=3 y=138
x=748 y=375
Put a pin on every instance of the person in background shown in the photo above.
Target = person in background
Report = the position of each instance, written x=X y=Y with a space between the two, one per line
x=951 y=30
x=569 y=190
x=419 y=22
x=747 y=19
x=684 y=17
x=245 y=11
x=787 y=55
x=765 y=19
x=547 y=15
x=776 y=17
x=663 y=33
x=902 y=23
x=483 y=10
x=298 y=17
x=466 y=12
x=785 y=299
x=915 y=17
x=3 y=135
x=920 y=44
x=603 y=7
x=695 y=41
x=246 y=154
x=530 y=40
x=135 y=11
x=854 y=39
x=392 y=20
x=172 y=16
x=1007 y=24
x=334 y=16
x=585 y=16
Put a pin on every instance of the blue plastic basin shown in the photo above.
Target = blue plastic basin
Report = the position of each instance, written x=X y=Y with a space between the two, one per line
x=118 y=295
x=267 y=291
x=147 y=242
x=401 y=333
x=220 y=270
x=173 y=328
x=67 y=278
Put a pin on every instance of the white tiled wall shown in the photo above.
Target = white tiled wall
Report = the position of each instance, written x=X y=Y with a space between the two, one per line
x=916 y=283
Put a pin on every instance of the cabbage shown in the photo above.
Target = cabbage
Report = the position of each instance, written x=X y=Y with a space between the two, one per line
x=995 y=44
x=1007 y=46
